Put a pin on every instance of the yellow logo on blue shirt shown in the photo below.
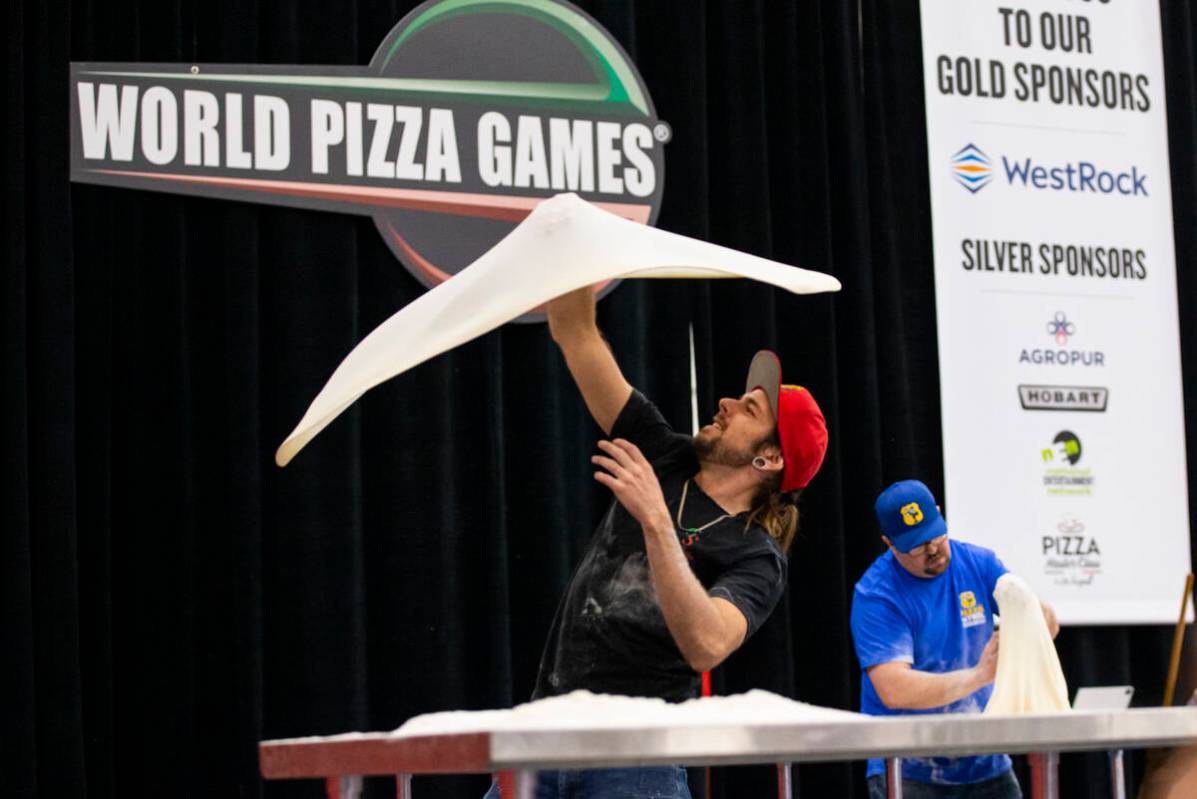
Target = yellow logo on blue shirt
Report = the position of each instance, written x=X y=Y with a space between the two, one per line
x=971 y=614
x=912 y=514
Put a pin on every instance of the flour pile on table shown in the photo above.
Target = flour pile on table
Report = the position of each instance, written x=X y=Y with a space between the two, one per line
x=1029 y=678
x=584 y=710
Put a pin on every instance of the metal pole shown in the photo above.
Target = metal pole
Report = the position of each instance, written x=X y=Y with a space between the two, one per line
x=403 y=786
x=1117 y=775
x=1044 y=778
x=893 y=777
x=343 y=787
x=785 y=786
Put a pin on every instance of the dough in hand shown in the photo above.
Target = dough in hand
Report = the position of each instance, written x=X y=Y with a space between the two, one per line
x=564 y=244
x=1029 y=678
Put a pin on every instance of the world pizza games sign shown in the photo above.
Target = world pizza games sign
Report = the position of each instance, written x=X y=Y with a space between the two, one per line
x=469 y=114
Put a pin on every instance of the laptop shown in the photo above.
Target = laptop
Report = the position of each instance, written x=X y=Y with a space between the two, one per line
x=1103 y=697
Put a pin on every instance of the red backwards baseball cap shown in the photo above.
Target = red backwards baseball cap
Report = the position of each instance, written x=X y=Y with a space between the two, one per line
x=801 y=427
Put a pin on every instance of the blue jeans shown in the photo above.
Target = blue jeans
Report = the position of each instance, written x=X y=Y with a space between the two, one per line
x=664 y=782
x=1003 y=786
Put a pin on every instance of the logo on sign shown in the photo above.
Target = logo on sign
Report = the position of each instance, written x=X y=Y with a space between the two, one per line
x=469 y=114
x=1063 y=398
x=1062 y=475
x=1061 y=329
x=1070 y=555
x=972 y=168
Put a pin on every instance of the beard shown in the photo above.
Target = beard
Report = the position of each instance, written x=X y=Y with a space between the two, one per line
x=713 y=451
x=940 y=565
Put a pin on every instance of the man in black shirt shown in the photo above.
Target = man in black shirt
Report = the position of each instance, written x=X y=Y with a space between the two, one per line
x=691 y=557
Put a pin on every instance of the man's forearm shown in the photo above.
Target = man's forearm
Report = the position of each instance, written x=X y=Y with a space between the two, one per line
x=910 y=689
x=699 y=629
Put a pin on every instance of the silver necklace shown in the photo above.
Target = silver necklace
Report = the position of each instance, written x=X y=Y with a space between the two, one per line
x=694 y=530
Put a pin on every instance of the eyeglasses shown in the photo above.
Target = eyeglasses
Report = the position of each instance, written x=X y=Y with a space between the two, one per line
x=922 y=548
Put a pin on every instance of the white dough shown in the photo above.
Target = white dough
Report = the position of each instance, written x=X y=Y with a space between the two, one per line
x=564 y=244
x=1029 y=678
x=584 y=710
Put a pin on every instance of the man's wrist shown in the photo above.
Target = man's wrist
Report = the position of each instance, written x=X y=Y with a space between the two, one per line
x=660 y=525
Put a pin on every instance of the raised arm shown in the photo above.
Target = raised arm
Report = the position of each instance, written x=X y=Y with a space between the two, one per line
x=590 y=361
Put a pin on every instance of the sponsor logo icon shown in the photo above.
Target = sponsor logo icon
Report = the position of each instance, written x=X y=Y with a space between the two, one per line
x=971 y=614
x=1063 y=398
x=1070 y=555
x=912 y=514
x=972 y=168
x=1068 y=448
x=1061 y=328
x=1062 y=475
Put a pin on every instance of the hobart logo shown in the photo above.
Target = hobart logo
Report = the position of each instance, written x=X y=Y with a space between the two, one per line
x=1062 y=475
x=912 y=514
x=448 y=139
x=972 y=168
x=1063 y=398
x=1061 y=330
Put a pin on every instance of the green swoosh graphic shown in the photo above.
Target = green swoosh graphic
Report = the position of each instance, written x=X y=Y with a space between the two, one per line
x=610 y=65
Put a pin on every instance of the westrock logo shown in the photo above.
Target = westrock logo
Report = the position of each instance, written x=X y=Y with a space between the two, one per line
x=469 y=114
x=973 y=170
x=1070 y=557
x=1060 y=329
x=1062 y=475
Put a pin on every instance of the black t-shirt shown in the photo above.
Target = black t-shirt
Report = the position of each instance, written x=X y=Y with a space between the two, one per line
x=609 y=635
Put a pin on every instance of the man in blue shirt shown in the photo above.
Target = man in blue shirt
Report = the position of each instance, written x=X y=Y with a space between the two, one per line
x=922 y=622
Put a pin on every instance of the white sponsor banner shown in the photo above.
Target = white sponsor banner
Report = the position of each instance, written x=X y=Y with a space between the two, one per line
x=1056 y=298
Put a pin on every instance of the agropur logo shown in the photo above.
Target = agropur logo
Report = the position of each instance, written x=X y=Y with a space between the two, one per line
x=973 y=169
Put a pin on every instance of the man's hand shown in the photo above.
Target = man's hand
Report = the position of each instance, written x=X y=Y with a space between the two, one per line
x=631 y=478
x=986 y=668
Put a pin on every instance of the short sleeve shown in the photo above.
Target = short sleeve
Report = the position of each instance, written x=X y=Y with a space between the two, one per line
x=642 y=423
x=880 y=632
x=994 y=569
x=754 y=585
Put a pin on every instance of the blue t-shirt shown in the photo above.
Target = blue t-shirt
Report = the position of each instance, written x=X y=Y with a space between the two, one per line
x=936 y=624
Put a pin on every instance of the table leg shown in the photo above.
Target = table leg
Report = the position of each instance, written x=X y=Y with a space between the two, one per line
x=343 y=787
x=1045 y=782
x=1117 y=775
x=785 y=786
x=893 y=777
x=517 y=784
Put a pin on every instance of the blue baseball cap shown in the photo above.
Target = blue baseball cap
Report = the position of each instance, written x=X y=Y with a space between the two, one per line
x=908 y=516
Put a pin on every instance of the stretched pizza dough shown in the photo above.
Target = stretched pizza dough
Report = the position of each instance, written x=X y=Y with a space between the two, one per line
x=1029 y=678
x=564 y=244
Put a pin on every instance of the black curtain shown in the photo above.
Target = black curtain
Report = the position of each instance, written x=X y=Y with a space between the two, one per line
x=168 y=597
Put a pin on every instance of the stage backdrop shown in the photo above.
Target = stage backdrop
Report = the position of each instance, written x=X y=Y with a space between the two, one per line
x=1055 y=282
